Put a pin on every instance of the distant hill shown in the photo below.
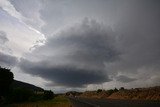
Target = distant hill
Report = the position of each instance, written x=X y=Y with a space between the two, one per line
x=150 y=93
x=19 y=84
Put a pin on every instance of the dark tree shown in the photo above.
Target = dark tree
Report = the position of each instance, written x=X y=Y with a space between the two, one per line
x=6 y=78
x=99 y=90
x=115 y=90
x=122 y=88
x=20 y=95
x=111 y=91
x=48 y=95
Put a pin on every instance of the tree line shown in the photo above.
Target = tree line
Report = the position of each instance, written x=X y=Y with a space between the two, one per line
x=8 y=94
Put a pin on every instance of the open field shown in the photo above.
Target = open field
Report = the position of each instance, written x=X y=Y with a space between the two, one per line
x=59 y=101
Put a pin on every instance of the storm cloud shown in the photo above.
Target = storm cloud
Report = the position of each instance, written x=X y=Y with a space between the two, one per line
x=138 y=37
x=75 y=56
x=124 y=79
x=7 y=60
x=118 y=42
x=128 y=47
x=69 y=76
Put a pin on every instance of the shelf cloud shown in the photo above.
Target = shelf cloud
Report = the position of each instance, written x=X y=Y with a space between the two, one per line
x=74 y=56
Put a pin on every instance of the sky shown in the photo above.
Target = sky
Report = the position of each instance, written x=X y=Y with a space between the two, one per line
x=65 y=45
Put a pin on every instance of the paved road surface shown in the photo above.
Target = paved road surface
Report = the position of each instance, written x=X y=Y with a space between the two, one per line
x=82 y=102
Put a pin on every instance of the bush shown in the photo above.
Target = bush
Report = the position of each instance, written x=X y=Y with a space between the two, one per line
x=122 y=88
x=6 y=78
x=20 y=95
x=35 y=97
x=48 y=95
x=110 y=91
x=99 y=90
x=115 y=90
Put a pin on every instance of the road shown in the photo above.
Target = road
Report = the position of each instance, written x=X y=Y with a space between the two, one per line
x=83 y=102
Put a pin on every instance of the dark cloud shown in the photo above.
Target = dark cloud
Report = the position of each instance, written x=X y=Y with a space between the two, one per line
x=64 y=75
x=7 y=60
x=3 y=37
x=130 y=46
x=124 y=79
x=74 y=56
x=138 y=39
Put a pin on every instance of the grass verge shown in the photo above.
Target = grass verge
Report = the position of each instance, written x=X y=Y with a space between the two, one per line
x=59 y=101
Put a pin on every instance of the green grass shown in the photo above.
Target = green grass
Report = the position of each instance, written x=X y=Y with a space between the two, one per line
x=59 y=101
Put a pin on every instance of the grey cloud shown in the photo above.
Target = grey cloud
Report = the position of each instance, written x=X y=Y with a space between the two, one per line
x=138 y=37
x=124 y=79
x=57 y=14
x=7 y=60
x=53 y=14
x=3 y=40
x=132 y=46
x=75 y=56
x=3 y=37
x=64 y=75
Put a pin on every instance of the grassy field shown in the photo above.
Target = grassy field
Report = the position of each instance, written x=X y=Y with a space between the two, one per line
x=59 y=101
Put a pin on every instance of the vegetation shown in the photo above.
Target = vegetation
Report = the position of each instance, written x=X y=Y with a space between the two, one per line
x=115 y=90
x=6 y=79
x=20 y=95
x=59 y=101
x=48 y=95
x=122 y=88
x=152 y=93
x=111 y=91
x=12 y=91
x=99 y=90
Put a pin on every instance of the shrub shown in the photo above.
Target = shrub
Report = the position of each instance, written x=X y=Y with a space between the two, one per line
x=48 y=95
x=99 y=90
x=6 y=78
x=115 y=90
x=36 y=97
x=20 y=95
x=110 y=91
x=122 y=88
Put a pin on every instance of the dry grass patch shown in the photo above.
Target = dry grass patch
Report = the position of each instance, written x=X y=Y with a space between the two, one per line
x=59 y=101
